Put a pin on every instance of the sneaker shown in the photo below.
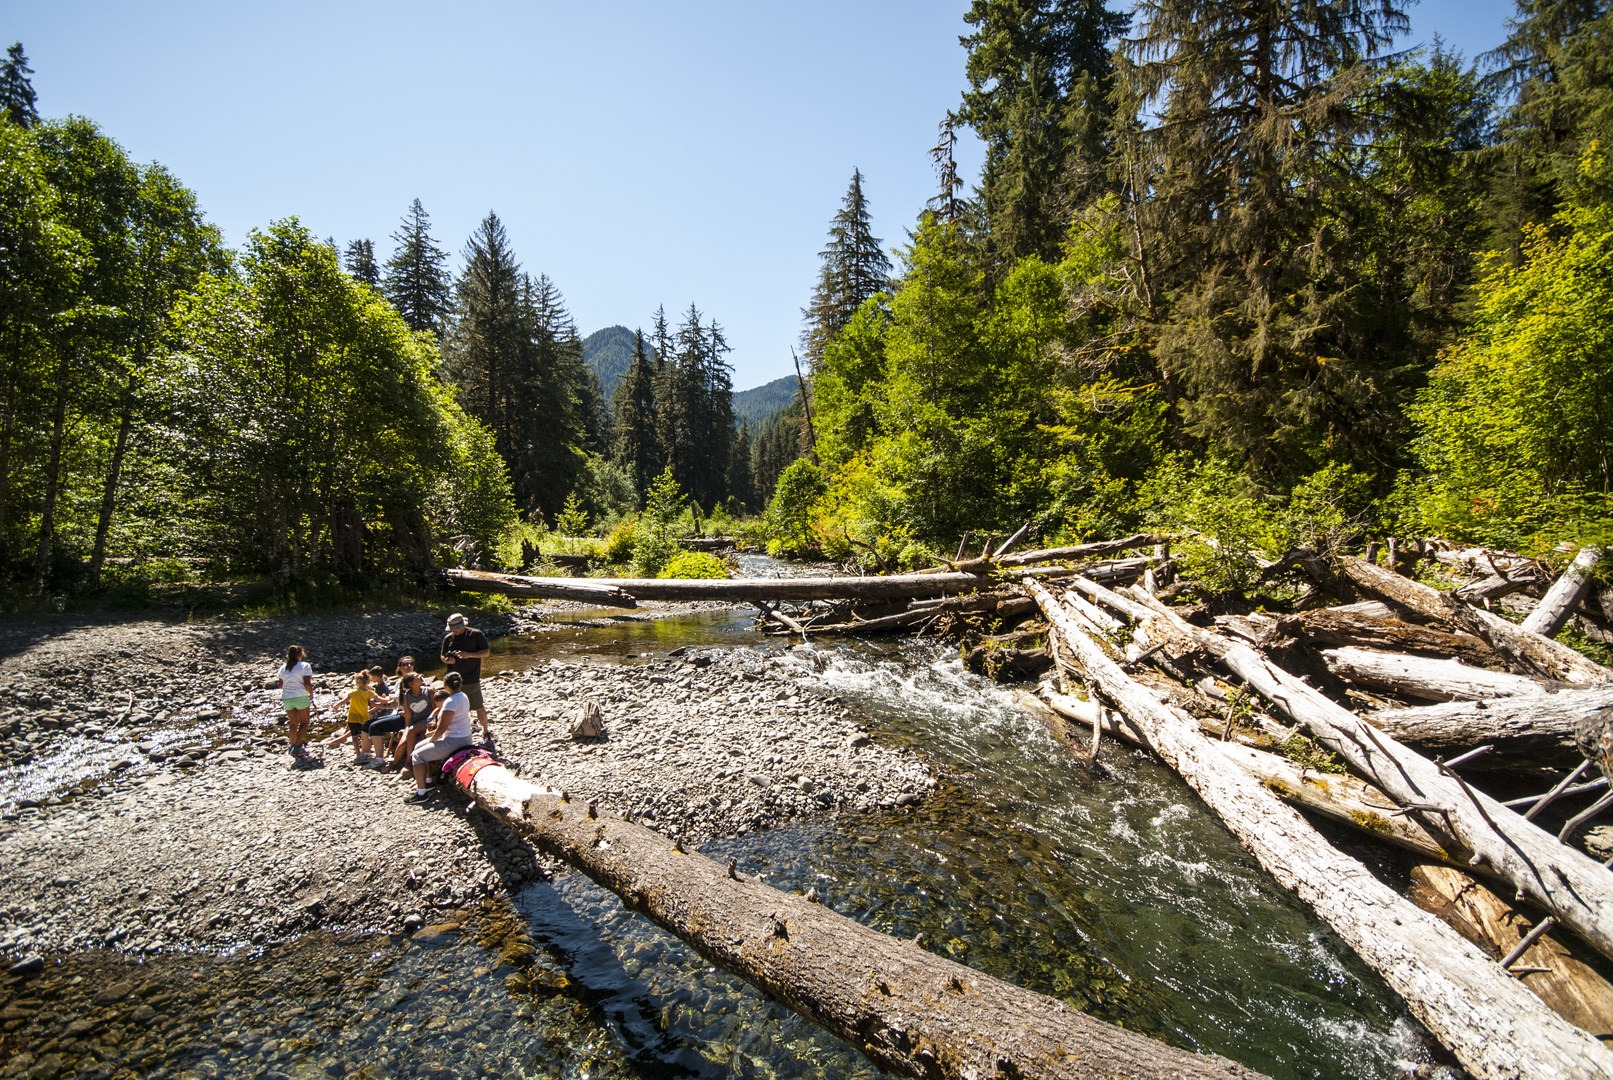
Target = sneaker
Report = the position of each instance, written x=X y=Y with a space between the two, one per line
x=298 y=752
x=378 y=765
x=363 y=759
x=421 y=796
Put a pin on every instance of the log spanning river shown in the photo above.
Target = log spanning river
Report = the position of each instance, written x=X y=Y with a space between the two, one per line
x=1110 y=888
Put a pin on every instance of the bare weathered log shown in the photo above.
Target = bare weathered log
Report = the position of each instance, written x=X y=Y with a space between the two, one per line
x=1564 y=595
x=1548 y=967
x=1494 y=587
x=1468 y=824
x=735 y=590
x=1493 y=1025
x=706 y=543
x=1427 y=678
x=1530 y=728
x=1081 y=551
x=588 y=591
x=1333 y=627
x=1537 y=655
x=907 y=1009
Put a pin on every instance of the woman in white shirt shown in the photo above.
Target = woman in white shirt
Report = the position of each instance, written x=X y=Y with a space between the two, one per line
x=450 y=733
x=296 y=697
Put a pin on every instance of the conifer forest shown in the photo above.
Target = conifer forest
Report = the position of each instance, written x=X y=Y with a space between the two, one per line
x=1255 y=273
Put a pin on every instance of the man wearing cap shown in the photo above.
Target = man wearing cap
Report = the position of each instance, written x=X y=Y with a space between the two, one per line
x=463 y=649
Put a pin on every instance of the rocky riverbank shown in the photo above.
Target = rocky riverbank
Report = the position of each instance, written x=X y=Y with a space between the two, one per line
x=148 y=806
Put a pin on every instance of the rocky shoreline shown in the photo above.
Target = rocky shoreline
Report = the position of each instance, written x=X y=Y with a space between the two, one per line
x=149 y=806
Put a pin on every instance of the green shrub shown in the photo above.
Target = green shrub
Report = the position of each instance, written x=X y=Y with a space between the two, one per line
x=789 y=515
x=655 y=540
x=620 y=541
x=694 y=564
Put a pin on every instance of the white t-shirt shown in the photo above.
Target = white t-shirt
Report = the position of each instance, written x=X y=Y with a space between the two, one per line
x=457 y=709
x=291 y=680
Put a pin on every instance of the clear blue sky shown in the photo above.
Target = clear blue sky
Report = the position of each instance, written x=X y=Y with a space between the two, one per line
x=639 y=152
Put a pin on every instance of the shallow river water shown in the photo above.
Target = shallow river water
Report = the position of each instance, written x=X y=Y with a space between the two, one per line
x=1110 y=888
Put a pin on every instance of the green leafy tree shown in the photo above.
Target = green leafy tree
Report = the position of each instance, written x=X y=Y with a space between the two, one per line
x=309 y=427
x=416 y=278
x=39 y=277
x=1513 y=435
x=17 y=98
x=790 y=513
x=854 y=268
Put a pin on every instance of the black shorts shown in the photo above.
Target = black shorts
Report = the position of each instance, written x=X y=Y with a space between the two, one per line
x=385 y=725
x=356 y=729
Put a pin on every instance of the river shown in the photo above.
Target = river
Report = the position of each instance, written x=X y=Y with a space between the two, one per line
x=1111 y=887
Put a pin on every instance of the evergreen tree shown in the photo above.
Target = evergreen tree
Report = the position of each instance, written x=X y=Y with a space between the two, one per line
x=741 y=488
x=636 y=447
x=359 y=260
x=1256 y=111
x=550 y=402
x=17 y=98
x=1557 y=67
x=484 y=349
x=416 y=279
x=854 y=268
x=1040 y=75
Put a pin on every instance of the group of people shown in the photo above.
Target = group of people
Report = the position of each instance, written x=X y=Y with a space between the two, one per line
x=429 y=724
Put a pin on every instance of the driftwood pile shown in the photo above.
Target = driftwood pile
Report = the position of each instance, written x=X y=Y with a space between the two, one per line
x=1236 y=704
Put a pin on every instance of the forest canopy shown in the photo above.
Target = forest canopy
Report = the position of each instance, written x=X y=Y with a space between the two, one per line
x=1215 y=251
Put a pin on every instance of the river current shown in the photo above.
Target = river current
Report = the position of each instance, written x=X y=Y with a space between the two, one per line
x=1110 y=887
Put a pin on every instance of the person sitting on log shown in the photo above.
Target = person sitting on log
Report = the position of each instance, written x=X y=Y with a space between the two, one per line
x=409 y=719
x=451 y=732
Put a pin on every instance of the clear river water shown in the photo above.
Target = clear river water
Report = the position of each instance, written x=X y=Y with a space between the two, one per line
x=1111 y=888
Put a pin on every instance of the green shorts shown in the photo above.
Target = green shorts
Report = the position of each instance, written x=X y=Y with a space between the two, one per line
x=294 y=704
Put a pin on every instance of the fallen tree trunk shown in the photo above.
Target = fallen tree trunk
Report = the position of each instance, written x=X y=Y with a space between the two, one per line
x=1493 y=1025
x=1337 y=627
x=1426 y=678
x=1564 y=595
x=1469 y=825
x=587 y=591
x=1530 y=727
x=1079 y=551
x=1535 y=654
x=1571 y=987
x=736 y=590
x=907 y=1009
x=1335 y=796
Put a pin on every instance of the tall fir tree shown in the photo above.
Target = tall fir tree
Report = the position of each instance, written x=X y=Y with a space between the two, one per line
x=855 y=267
x=1253 y=112
x=17 y=98
x=416 y=278
x=483 y=351
x=1040 y=76
x=359 y=260
x=1556 y=71
x=636 y=446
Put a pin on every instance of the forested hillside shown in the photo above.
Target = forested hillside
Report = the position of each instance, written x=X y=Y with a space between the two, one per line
x=755 y=405
x=1244 y=272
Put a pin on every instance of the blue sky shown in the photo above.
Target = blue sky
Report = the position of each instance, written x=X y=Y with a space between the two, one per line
x=639 y=152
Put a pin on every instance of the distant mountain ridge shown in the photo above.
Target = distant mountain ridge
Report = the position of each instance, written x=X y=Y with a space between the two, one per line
x=609 y=353
x=755 y=405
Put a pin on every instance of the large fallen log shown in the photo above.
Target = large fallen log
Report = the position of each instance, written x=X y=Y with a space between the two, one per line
x=1529 y=728
x=1427 y=678
x=587 y=591
x=1564 y=595
x=1547 y=966
x=907 y=1009
x=1469 y=825
x=1337 y=797
x=1078 y=551
x=1494 y=1026
x=736 y=590
x=1339 y=627
x=1530 y=651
